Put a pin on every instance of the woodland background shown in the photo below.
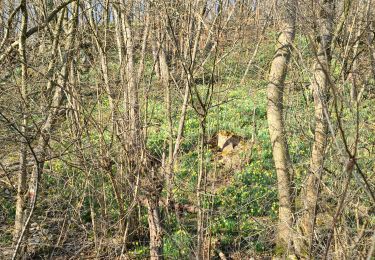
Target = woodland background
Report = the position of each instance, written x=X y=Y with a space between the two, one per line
x=206 y=129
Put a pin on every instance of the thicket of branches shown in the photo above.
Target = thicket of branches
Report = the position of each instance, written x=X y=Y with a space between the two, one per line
x=109 y=112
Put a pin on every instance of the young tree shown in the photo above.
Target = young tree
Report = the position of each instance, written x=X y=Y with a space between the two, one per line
x=22 y=179
x=39 y=152
x=275 y=91
x=320 y=87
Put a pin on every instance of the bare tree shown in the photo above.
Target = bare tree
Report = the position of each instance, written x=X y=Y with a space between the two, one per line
x=22 y=179
x=275 y=92
x=320 y=86
x=39 y=152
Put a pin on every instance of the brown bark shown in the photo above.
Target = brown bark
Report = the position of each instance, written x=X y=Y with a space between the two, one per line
x=200 y=191
x=164 y=76
x=361 y=16
x=155 y=56
x=320 y=86
x=156 y=239
x=370 y=39
x=139 y=161
x=39 y=152
x=135 y=140
x=134 y=116
x=275 y=92
x=348 y=171
x=22 y=175
x=101 y=45
x=154 y=219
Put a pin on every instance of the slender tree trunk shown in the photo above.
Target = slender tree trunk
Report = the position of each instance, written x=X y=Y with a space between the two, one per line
x=362 y=14
x=154 y=218
x=164 y=76
x=156 y=239
x=140 y=159
x=370 y=39
x=101 y=45
x=135 y=139
x=200 y=189
x=275 y=92
x=39 y=152
x=135 y=123
x=22 y=177
x=155 y=57
x=320 y=87
x=45 y=131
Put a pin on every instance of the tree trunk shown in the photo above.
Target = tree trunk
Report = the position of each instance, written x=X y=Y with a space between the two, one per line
x=370 y=39
x=164 y=76
x=135 y=124
x=22 y=177
x=363 y=13
x=156 y=241
x=154 y=222
x=39 y=152
x=320 y=86
x=275 y=92
x=200 y=189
